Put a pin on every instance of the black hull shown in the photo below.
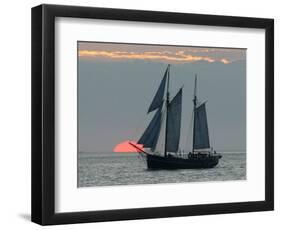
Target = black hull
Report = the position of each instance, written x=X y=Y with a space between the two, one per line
x=161 y=162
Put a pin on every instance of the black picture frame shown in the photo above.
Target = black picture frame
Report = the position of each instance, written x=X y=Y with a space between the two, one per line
x=43 y=114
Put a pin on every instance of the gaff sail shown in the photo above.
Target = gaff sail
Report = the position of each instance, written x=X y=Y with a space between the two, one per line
x=174 y=123
x=201 y=132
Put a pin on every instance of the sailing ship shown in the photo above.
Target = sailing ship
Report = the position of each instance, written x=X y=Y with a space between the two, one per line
x=201 y=156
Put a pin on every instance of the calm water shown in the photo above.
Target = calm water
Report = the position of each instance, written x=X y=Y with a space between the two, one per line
x=101 y=169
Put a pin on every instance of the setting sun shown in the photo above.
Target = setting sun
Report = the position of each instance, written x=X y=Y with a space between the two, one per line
x=125 y=147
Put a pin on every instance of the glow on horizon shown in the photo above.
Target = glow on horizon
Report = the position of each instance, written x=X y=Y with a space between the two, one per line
x=164 y=56
x=125 y=147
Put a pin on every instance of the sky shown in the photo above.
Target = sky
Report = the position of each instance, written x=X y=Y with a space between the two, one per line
x=117 y=82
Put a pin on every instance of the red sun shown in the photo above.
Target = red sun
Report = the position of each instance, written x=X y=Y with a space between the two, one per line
x=125 y=147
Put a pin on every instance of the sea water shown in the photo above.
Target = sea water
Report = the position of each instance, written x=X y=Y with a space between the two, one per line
x=106 y=169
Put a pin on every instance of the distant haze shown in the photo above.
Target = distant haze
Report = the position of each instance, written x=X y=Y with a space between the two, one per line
x=117 y=83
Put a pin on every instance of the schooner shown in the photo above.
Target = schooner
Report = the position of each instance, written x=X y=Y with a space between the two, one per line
x=170 y=111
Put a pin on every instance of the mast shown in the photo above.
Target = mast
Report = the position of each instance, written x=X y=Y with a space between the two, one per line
x=194 y=107
x=167 y=110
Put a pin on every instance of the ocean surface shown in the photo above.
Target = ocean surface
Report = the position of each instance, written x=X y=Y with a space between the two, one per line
x=106 y=169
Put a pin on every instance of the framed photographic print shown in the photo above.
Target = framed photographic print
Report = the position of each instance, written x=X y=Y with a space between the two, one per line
x=142 y=114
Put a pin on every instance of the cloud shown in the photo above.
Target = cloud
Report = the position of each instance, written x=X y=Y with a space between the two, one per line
x=225 y=61
x=179 y=56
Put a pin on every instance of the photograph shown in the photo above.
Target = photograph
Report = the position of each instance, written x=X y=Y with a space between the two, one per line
x=141 y=114
x=154 y=113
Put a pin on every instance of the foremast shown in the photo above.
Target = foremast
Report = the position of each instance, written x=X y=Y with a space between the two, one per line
x=194 y=108
x=167 y=110
x=172 y=126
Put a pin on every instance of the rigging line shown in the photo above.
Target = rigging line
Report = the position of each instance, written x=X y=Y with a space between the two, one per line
x=142 y=157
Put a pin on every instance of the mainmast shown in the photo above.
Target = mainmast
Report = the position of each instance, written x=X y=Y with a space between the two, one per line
x=194 y=107
x=167 y=110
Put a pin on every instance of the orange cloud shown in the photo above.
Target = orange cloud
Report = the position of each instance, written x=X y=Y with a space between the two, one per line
x=177 y=57
x=225 y=61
